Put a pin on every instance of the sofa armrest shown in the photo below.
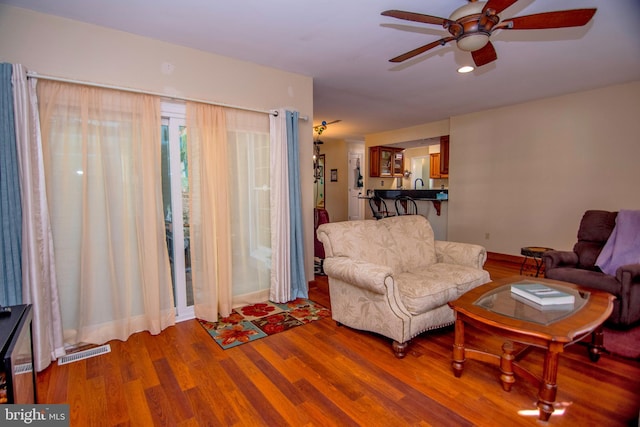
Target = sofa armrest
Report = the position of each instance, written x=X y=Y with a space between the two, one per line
x=555 y=259
x=362 y=274
x=461 y=253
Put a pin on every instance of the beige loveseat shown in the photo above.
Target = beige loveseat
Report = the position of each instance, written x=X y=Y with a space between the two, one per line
x=391 y=277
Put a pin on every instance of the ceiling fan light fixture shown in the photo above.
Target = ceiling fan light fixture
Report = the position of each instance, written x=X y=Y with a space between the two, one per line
x=471 y=26
x=471 y=8
x=473 y=42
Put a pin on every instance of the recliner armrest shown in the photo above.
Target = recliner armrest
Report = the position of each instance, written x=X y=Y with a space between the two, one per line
x=461 y=253
x=362 y=274
x=629 y=306
x=633 y=270
x=555 y=259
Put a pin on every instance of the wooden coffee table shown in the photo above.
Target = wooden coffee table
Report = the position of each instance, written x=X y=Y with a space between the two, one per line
x=491 y=308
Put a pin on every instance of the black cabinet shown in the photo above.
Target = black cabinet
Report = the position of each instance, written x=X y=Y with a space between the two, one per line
x=17 y=374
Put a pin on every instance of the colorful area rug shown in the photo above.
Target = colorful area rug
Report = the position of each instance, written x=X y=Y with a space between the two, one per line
x=257 y=321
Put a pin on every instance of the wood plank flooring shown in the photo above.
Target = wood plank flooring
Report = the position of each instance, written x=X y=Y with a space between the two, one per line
x=322 y=374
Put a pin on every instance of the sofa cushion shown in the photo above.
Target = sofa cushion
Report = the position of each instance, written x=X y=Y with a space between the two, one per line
x=414 y=241
x=432 y=287
x=360 y=240
x=465 y=277
x=422 y=292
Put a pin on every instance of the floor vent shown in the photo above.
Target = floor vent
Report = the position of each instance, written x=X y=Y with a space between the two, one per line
x=23 y=368
x=84 y=354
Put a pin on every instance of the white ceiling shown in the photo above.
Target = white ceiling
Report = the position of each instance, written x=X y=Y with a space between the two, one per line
x=345 y=46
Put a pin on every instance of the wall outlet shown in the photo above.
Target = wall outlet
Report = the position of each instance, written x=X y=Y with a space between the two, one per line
x=382 y=183
x=486 y=236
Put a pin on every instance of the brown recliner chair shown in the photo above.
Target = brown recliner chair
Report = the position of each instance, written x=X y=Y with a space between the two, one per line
x=578 y=266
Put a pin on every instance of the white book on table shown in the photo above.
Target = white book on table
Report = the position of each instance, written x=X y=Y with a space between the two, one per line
x=542 y=294
x=546 y=308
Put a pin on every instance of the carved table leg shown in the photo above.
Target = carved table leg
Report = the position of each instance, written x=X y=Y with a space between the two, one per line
x=458 y=349
x=548 y=386
x=506 y=366
x=596 y=348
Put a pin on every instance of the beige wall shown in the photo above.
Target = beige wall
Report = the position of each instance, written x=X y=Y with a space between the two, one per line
x=60 y=47
x=336 y=194
x=524 y=174
x=424 y=131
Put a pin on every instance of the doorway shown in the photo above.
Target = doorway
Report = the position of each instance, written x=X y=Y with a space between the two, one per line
x=420 y=170
x=355 y=182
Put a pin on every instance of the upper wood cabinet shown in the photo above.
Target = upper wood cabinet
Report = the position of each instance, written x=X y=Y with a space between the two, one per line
x=444 y=156
x=439 y=162
x=398 y=163
x=386 y=162
x=434 y=166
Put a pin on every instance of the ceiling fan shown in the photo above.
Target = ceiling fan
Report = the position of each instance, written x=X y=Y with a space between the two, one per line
x=472 y=24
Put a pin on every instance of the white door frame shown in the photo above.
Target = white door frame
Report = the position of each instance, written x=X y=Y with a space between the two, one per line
x=355 y=203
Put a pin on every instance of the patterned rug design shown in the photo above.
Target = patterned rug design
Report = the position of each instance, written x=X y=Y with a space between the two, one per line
x=257 y=321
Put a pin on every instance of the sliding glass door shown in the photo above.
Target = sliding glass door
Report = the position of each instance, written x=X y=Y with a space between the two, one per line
x=175 y=195
x=249 y=198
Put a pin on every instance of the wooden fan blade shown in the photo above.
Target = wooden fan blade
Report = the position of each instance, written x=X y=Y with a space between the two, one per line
x=421 y=49
x=498 y=5
x=484 y=55
x=416 y=17
x=548 y=20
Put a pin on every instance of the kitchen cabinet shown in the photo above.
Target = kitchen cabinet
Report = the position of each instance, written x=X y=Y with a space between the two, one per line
x=434 y=166
x=398 y=163
x=439 y=162
x=444 y=156
x=386 y=162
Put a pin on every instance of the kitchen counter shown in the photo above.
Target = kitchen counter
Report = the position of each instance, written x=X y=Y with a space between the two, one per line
x=414 y=194
x=428 y=195
x=429 y=206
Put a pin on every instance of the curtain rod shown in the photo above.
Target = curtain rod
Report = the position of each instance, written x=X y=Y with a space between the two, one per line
x=146 y=92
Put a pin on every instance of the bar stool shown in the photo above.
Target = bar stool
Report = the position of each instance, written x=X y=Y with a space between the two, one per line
x=405 y=205
x=379 y=208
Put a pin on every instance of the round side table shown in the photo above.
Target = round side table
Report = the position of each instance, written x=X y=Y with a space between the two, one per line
x=535 y=253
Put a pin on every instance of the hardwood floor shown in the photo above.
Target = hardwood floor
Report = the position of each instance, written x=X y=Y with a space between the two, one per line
x=322 y=375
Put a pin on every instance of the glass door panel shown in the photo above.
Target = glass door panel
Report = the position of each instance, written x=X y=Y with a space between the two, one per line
x=175 y=195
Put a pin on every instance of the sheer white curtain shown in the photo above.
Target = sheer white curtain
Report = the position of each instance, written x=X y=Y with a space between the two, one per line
x=39 y=285
x=102 y=166
x=280 y=290
x=249 y=199
x=228 y=153
x=287 y=274
x=209 y=212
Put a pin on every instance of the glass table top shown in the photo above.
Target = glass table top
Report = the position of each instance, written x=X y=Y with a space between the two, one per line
x=505 y=303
